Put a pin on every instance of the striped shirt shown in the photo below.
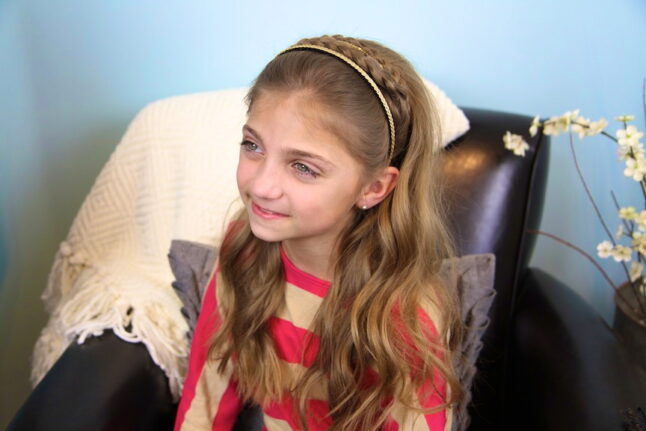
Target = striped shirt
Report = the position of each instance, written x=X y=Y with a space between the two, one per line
x=209 y=399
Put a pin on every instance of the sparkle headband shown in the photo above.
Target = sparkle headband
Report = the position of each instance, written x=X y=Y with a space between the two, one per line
x=371 y=82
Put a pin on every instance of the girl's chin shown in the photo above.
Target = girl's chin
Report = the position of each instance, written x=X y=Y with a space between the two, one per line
x=265 y=235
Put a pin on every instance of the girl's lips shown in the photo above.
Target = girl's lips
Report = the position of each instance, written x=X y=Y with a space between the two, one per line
x=264 y=213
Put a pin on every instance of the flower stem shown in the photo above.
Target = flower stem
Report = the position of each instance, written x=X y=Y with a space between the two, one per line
x=587 y=256
x=605 y=227
x=603 y=132
x=629 y=228
x=588 y=193
x=608 y=135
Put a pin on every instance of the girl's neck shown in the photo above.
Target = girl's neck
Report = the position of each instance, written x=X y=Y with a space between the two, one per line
x=315 y=261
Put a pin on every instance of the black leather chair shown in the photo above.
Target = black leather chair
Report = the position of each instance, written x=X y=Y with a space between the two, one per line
x=549 y=362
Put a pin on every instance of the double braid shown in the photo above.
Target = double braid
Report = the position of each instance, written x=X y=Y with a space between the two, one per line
x=384 y=75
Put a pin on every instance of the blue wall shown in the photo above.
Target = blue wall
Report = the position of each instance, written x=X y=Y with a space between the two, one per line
x=74 y=72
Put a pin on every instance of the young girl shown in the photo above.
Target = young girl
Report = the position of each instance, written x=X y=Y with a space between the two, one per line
x=326 y=308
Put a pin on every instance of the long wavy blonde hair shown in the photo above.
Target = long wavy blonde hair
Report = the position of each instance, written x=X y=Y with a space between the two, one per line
x=387 y=259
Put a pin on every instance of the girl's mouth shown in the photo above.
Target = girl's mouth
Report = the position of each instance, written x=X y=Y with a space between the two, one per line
x=265 y=213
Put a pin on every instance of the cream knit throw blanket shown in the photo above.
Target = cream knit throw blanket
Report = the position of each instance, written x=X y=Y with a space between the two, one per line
x=171 y=176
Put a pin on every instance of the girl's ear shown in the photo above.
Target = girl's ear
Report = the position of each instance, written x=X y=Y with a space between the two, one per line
x=378 y=188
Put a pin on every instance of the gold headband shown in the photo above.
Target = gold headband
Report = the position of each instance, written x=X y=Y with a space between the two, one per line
x=355 y=66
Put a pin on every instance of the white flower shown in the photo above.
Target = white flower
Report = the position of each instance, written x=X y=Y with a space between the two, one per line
x=621 y=253
x=635 y=168
x=625 y=118
x=629 y=136
x=515 y=143
x=641 y=220
x=570 y=116
x=639 y=242
x=635 y=151
x=628 y=213
x=597 y=127
x=604 y=249
x=636 y=269
x=549 y=127
x=580 y=126
x=533 y=129
x=584 y=127
x=556 y=125
x=630 y=148
x=638 y=150
x=626 y=152
x=620 y=231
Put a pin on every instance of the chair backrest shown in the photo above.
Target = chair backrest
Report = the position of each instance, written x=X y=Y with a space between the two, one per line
x=494 y=197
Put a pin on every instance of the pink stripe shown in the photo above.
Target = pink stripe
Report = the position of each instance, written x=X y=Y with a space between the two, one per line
x=318 y=419
x=207 y=323
x=432 y=394
x=391 y=425
x=302 y=279
x=317 y=412
x=283 y=412
x=228 y=409
x=435 y=421
x=293 y=344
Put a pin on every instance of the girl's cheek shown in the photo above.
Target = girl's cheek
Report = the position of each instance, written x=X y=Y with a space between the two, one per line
x=242 y=174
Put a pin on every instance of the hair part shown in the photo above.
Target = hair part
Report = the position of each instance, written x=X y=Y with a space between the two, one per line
x=387 y=261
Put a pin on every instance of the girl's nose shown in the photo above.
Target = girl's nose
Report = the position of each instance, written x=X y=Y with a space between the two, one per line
x=267 y=182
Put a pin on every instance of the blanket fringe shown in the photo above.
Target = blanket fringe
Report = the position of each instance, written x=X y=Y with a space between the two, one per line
x=136 y=312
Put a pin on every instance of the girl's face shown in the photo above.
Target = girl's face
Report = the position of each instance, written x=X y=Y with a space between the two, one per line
x=297 y=181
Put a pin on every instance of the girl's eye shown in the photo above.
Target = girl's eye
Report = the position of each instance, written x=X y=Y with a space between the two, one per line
x=249 y=146
x=305 y=170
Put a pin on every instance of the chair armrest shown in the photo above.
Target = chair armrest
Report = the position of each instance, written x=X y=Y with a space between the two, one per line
x=568 y=370
x=103 y=384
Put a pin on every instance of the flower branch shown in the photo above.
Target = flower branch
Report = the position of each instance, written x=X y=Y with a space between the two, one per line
x=632 y=223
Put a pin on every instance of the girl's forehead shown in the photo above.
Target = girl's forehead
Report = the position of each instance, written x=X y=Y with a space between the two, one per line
x=292 y=117
x=300 y=102
x=302 y=107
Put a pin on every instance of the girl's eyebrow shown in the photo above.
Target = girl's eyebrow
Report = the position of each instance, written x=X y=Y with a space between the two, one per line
x=298 y=153
x=292 y=151
x=252 y=132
